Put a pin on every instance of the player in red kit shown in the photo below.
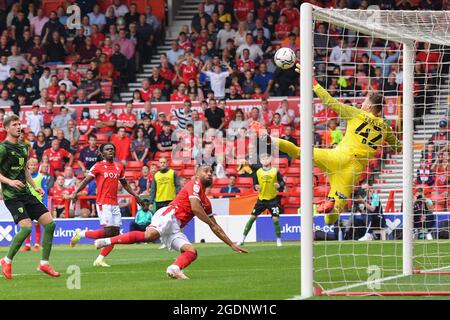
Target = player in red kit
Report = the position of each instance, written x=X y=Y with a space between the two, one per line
x=107 y=175
x=168 y=222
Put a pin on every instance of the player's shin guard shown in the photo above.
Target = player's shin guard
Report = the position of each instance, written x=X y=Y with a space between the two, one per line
x=106 y=250
x=185 y=259
x=94 y=234
x=23 y=233
x=47 y=240
x=129 y=238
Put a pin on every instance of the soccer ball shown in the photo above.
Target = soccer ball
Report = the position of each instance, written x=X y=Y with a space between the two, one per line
x=284 y=58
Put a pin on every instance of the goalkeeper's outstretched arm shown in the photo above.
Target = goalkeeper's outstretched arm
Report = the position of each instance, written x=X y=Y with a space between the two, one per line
x=343 y=110
x=287 y=147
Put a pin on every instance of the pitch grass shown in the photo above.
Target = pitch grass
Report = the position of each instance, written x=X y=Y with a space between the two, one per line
x=267 y=272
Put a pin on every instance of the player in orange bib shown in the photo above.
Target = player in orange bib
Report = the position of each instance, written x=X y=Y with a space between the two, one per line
x=366 y=132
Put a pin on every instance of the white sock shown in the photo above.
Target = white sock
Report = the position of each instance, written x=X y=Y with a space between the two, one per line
x=43 y=262
x=108 y=241
x=7 y=260
x=243 y=238
x=99 y=258
x=83 y=234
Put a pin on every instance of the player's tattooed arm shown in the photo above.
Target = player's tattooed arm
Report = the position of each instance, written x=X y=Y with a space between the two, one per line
x=200 y=213
x=128 y=188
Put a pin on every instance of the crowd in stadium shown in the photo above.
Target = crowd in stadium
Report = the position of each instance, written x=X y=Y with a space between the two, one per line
x=225 y=54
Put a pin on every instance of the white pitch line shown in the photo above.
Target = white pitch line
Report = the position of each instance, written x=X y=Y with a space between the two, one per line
x=366 y=283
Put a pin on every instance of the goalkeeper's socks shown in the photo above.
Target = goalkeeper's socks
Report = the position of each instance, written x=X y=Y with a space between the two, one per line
x=127 y=238
x=93 y=234
x=185 y=259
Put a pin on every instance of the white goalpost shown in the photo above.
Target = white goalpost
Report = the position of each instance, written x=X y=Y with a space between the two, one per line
x=389 y=266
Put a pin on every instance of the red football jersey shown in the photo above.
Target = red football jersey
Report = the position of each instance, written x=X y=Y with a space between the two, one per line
x=2 y=132
x=55 y=158
x=107 y=117
x=292 y=16
x=128 y=119
x=188 y=72
x=146 y=95
x=57 y=195
x=107 y=175
x=176 y=97
x=192 y=189
x=85 y=124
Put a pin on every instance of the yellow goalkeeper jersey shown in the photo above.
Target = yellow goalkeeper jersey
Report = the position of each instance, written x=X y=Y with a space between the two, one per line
x=365 y=132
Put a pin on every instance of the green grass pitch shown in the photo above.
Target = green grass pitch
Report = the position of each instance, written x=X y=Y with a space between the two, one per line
x=267 y=272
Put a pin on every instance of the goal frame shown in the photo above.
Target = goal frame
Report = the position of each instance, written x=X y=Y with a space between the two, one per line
x=306 y=114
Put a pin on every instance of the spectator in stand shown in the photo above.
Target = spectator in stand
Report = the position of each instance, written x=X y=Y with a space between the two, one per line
x=214 y=116
x=157 y=96
x=276 y=128
x=106 y=123
x=165 y=139
x=51 y=26
x=146 y=113
x=120 y=63
x=127 y=119
x=146 y=91
x=37 y=22
x=143 y=217
x=233 y=94
x=91 y=86
x=55 y=49
x=61 y=120
x=143 y=180
x=425 y=174
x=287 y=114
x=5 y=101
x=81 y=97
x=156 y=80
x=231 y=188
x=430 y=57
x=255 y=51
x=384 y=60
x=429 y=154
x=390 y=86
x=242 y=8
x=341 y=53
x=333 y=136
x=195 y=24
x=187 y=68
x=180 y=94
x=123 y=145
x=441 y=169
x=87 y=51
x=236 y=124
x=442 y=137
x=424 y=218
x=174 y=53
x=48 y=114
x=57 y=156
x=88 y=155
x=165 y=185
x=282 y=29
x=140 y=147
x=96 y=17
x=194 y=91
x=16 y=61
x=291 y=12
x=70 y=84
x=73 y=135
x=69 y=177
x=59 y=196
x=120 y=10
x=40 y=145
x=285 y=82
x=53 y=88
x=217 y=78
x=152 y=20
x=4 y=68
x=132 y=16
x=127 y=48
x=264 y=79
x=35 y=120
x=63 y=142
x=183 y=115
x=224 y=34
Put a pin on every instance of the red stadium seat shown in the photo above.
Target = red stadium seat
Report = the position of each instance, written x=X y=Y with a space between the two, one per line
x=176 y=165
x=215 y=189
x=231 y=171
x=102 y=138
x=320 y=176
x=292 y=182
x=83 y=139
x=438 y=202
x=244 y=182
x=220 y=182
x=132 y=175
x=134 y=166
x=160 y=154
x=187 y=173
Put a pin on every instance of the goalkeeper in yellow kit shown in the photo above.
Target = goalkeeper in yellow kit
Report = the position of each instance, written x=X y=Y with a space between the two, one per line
x=366 y=131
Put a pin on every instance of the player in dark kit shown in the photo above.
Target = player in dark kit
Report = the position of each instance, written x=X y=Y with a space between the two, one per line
x=23 y=206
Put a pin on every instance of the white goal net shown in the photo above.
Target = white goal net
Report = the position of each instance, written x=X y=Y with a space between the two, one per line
x=392 y=234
